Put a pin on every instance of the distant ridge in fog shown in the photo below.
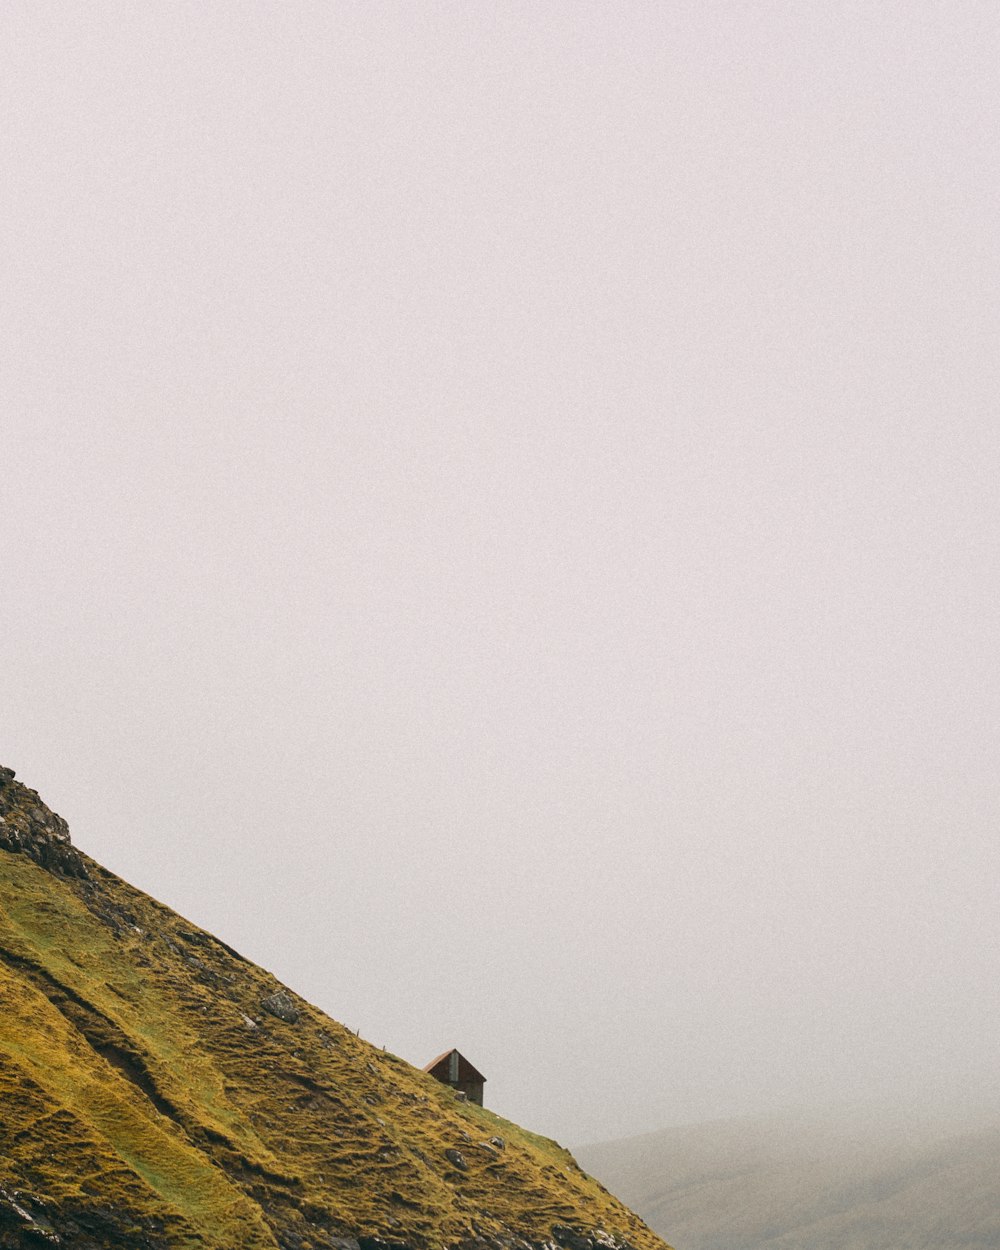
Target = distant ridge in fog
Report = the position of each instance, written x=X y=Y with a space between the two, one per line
x=861 y=1180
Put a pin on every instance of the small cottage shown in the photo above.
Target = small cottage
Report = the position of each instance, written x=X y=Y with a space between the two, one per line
x=454 y=1069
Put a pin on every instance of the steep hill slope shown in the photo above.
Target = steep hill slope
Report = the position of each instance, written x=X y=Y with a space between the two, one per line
x=156 y=1089
x=873 y=1180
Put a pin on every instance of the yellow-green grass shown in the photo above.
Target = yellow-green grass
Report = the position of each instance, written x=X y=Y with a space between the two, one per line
x=139 y=1072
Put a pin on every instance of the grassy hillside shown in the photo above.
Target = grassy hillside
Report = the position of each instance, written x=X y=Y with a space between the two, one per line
x=856 y=1181
x=159 y=1090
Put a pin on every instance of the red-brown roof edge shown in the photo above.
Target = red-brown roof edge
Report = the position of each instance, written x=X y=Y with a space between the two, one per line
x=478 y=1076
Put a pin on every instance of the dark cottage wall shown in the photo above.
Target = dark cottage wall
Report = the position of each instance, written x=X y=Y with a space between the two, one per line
x=452 y=1068
x=473 y=1090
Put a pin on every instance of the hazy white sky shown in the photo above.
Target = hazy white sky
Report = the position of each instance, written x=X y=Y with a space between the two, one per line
x=499 y=520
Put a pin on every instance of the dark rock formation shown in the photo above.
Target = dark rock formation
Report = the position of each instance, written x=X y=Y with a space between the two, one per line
x=281 y=1006
x=28 y=827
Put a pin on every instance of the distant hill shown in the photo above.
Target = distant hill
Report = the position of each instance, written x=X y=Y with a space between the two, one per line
x=875 y=1180
x=159 y=1091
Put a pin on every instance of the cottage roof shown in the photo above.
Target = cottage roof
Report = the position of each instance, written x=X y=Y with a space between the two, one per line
x=466 y=1072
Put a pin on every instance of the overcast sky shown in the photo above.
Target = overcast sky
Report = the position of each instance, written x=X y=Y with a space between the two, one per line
x=499 y=520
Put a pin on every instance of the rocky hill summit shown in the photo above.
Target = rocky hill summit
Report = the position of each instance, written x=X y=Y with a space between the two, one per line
x=160 y=1091
x=27 y=826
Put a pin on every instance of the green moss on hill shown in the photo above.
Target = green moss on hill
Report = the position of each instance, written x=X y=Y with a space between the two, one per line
x=149 y=1098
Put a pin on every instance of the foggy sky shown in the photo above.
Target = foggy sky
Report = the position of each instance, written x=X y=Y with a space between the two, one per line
x=499 y=521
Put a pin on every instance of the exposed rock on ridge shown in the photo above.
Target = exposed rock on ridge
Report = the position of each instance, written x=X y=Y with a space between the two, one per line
x=28 y=827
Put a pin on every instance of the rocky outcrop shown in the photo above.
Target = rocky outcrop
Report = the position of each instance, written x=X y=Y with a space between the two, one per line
x=281 y=1006
x=28 y=1223
x=28 y=827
